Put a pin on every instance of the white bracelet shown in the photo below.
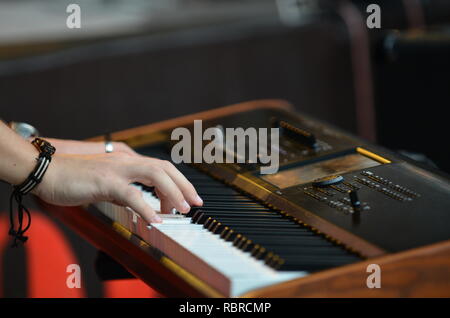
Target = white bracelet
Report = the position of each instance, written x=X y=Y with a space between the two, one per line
x=109 y=147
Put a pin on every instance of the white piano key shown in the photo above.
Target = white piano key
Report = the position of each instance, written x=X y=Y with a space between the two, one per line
x=223 y=266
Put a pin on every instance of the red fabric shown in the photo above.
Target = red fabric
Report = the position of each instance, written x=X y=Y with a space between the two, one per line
x=48 y=255
x=4 y=237
x=128 y=288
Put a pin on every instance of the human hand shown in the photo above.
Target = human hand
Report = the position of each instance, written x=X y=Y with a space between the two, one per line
x=80 y=179
x=64 y=146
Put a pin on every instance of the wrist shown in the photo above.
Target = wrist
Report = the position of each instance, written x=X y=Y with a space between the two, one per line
x=46 y=151
x=17 y=230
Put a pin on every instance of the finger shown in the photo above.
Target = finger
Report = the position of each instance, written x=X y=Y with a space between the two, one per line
x=183 y=184
x=160 y=180
x=166 y=205
x=132 y=197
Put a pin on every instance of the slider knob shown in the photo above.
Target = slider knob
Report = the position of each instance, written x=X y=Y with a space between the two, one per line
x=354 y=200
x=356 y=204
x=328 y=180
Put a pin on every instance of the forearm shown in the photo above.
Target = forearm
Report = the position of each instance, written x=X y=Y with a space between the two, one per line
x=74 y=179
x=76 y=146
x=64 y=146
x=18 y=156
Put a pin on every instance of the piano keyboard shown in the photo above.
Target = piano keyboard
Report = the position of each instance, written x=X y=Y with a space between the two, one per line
x=232 y=243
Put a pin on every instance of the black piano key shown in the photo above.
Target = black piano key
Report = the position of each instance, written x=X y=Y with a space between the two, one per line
x=287 y=241
x=233 y=208
x=196 y=216
x=302 y=263
x=221 y=192
x=193 y=211
x=220 y=211
x=234 y=203
x=303 y=250
x=243 y=214
x=308 y=252
x=256 y=229
x=264 y=232
x=261 y=252
x=246 y=204
x=229 y=233
x=208 y=184
x=267 y=231
x=328 y=251
x=296 y=258
x=259 y=224
x=200 y=215
x=207 y=201
x=255 y=223
x=224 y=198
x=211 y=225
x=279 y=234
x=242 y=227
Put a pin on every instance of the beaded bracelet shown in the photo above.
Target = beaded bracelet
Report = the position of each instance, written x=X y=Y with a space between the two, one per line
x=46 y=150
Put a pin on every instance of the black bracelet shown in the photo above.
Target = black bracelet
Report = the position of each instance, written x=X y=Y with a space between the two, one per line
x=46 y=150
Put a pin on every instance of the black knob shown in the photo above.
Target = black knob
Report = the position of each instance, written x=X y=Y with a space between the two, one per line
x=298 y=134
x=328 y=180
x=354 y=200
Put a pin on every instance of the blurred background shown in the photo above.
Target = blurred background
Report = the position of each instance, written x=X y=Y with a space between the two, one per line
x=135 y=62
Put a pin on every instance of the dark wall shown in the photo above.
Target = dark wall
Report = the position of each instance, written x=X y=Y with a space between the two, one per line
x=114 y=85
x=413 y=95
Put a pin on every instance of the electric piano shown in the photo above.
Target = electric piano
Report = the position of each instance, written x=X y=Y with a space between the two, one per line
x=336 y=205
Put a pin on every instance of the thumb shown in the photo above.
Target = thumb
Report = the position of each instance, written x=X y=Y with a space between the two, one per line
x=132 y=197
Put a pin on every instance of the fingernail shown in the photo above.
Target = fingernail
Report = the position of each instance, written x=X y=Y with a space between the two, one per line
x=157 y=219
x=199 y=200
x=186 y=206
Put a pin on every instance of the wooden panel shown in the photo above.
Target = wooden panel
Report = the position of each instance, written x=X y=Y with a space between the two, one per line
x=303 y=216
x=130 y=135
x=166 y=277
x=421 y=272
x=147 y=134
